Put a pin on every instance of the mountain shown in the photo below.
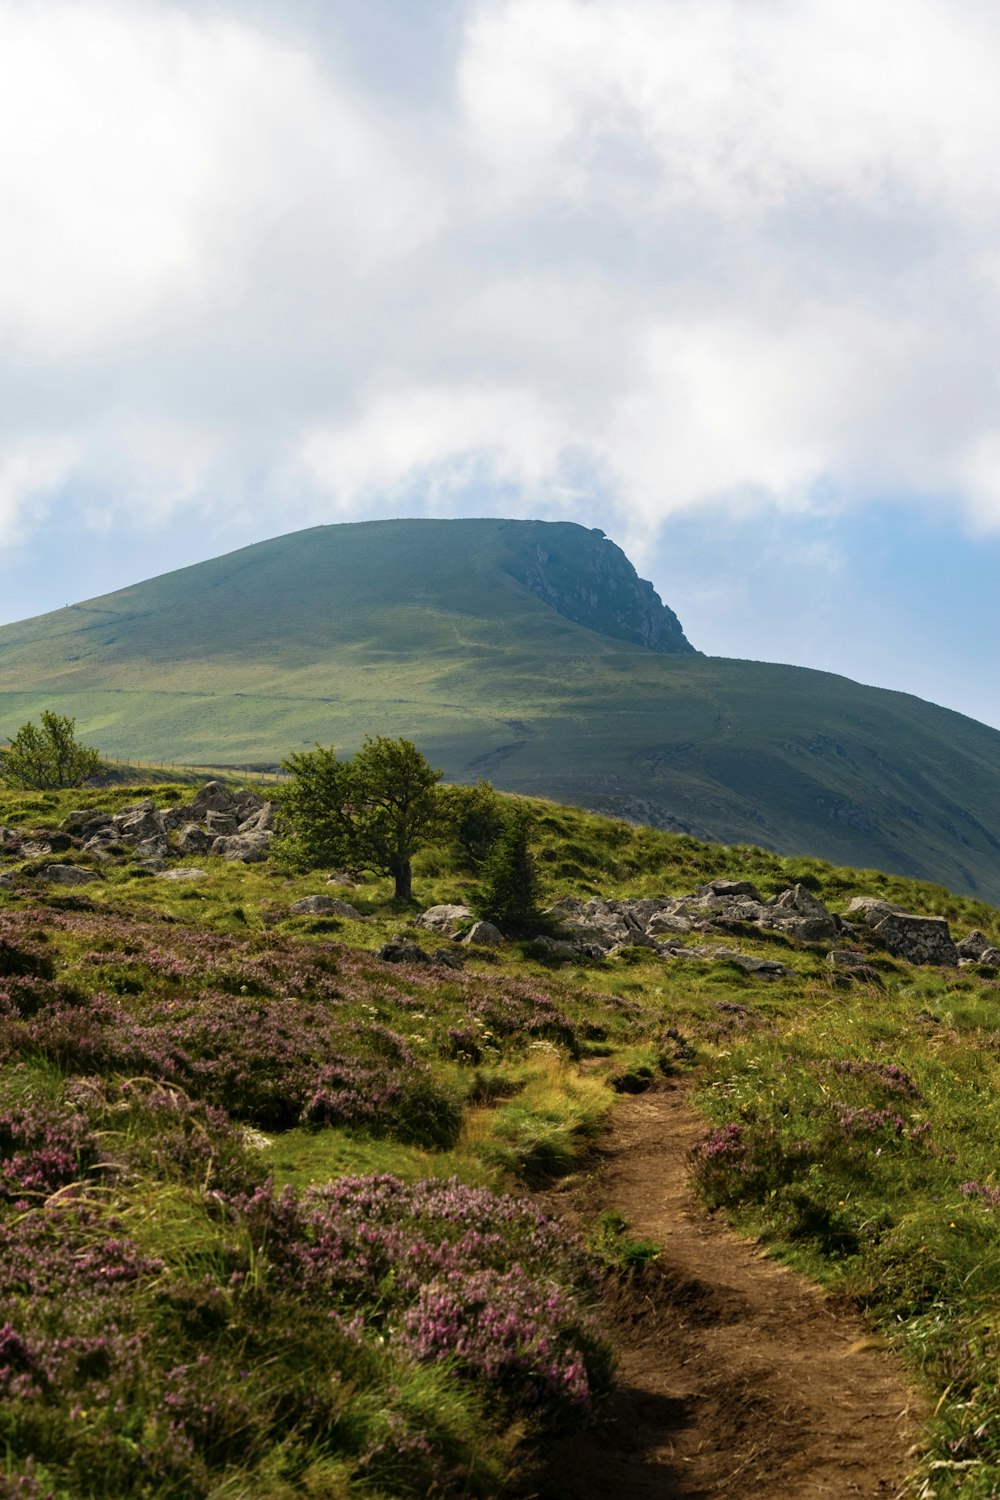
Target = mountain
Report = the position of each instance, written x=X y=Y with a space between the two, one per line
x=526 y=652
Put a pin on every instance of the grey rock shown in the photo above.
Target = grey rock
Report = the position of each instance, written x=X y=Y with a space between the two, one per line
x=847 y=958
x=136 y=827
x=402 y=951
x=213 y=797
x=221 y=824
x=730 y=889
x=186 y=872
x=193 y=840
x=258 y=819
x=664 y=922
x=484 y=935
x=870 y=910
x=445 y=919
x=918 y=940
x=324 y=906
x=6 y=884
x=247 y=848
x=973 y=945
x=70 y=875
x=449 y=958
x=154 y=848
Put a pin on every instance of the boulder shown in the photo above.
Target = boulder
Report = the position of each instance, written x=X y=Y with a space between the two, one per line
x=484 y=935
x=917 y=940
x=154 y=848
x=402 y=951
x=187 y=872
x=798 y=914
x=221 y=824
x=973 y=945
x=69 y=875
x=258 y=819
x=134 y=826
x=445 y=919
x=730 y=890
x=193 y=840
x=870 y=910
x=213 y=797
x=847 y=958
x=324 y=906
x=247 y=848
x=664 y=922
x=6 y=884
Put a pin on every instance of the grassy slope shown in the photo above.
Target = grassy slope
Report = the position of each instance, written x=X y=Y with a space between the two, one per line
x=860 y=1107
x=420 y=628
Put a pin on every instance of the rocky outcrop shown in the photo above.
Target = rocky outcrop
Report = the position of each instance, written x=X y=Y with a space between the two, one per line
x=484 y=935
x=916 y=939
x=586 y=578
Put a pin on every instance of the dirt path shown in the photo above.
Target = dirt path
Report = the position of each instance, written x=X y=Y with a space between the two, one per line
x=738 y=1377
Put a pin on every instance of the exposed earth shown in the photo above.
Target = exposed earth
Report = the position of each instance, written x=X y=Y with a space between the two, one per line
x=738 y=1377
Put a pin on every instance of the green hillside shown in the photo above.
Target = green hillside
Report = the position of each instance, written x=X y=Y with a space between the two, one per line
x=525 y=652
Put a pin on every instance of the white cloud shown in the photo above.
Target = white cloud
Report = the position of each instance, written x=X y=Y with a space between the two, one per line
x=31 y=469
x=646 y=257
x=738 y=105
x=151 y=156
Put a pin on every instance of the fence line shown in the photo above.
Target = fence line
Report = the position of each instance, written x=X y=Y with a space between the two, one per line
x=179 y=768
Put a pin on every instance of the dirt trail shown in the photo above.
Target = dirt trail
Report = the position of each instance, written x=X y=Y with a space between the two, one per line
x=738 y=1377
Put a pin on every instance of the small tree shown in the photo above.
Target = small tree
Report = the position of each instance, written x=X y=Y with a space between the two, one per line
x=42 y=757
x=509 y=888
x=374 y=810
x=475 y=816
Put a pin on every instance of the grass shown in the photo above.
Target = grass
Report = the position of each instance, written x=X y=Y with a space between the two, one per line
x=429 y=630
x=852 y=1123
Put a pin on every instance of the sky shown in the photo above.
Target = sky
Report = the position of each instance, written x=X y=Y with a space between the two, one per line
x=721 y=277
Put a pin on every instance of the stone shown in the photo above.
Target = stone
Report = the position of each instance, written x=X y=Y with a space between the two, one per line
x=870 y=910
x=154 y=848
x=664 y=922
x=247 y=848
x=847 y=958
x=730 y=889
x=484 y=935
x=449 y=958
x=69 y=875
x=402 y=951
x=445 y=919
x=187 y=872
x=221 y=824
x=973 y=945
x=193 y=840
x=6 y=884
x=258 y=819
x=324 y=906
x=918 y=940
x=136 y=827
x=213 y=797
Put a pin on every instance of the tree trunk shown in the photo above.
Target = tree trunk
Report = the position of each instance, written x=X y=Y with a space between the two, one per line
x=403 y=877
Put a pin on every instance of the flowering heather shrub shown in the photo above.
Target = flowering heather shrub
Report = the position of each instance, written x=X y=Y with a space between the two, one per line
x=519 y=1336
x=890 y=1076
x=41 y=1148
x=866 y=1121
x=988 y=1196
x=458 y=1274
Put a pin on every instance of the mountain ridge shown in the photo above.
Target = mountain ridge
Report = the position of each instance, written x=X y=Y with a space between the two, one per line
x=442 y=631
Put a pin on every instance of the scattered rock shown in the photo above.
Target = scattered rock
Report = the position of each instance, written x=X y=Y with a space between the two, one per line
x=6 y=884
x=972 y=946
x=731 y=889
x=401 y=951
x=193 y=839
x=847 y=958
x=247 y=848
x=324 y=906
x=918 y=940
x=445 y=919
x=69 y=875
x=186 y=872
x=484 y=935
x=213 y=797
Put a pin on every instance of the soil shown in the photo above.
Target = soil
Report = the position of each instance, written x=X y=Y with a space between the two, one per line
x=737 y=1376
